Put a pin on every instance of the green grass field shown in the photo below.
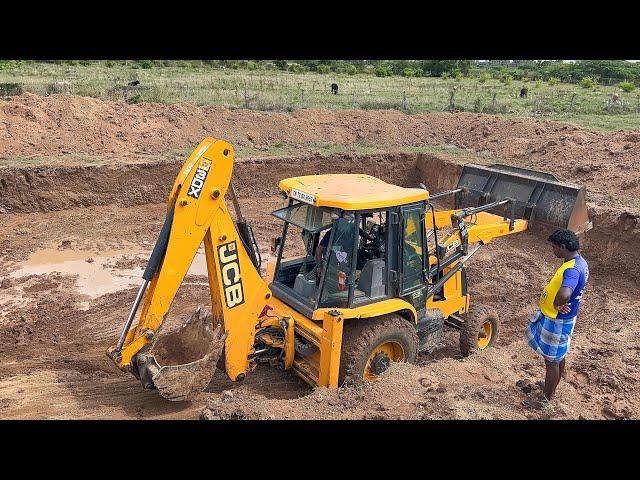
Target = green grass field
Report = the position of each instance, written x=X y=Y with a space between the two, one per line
x=285 y=91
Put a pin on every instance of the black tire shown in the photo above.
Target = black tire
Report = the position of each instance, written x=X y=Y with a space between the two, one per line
x=360 y=337
x=472 y=326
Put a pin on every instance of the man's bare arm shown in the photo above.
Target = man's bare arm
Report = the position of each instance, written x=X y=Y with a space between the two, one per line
x=561 y=302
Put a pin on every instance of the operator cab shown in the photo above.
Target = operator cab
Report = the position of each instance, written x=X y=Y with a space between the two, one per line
x=333 y=254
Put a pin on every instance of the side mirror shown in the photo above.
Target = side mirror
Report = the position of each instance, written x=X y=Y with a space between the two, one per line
x=423 y=186
x=275 y=243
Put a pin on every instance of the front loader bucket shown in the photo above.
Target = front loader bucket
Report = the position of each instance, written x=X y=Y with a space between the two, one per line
x=180 y=363
x=538 y=197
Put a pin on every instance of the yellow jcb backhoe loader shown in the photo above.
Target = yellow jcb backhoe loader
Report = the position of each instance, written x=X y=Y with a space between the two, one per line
x=367 y=273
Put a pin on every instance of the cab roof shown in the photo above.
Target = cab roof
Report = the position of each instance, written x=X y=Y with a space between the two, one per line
x=349 y=191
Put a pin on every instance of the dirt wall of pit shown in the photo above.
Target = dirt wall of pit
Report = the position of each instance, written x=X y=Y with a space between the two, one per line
x=42 y=189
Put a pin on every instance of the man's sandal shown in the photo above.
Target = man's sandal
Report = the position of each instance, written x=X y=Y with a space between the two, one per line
x=539 y=403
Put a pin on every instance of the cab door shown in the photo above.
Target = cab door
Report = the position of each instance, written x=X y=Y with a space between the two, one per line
x=413 y=251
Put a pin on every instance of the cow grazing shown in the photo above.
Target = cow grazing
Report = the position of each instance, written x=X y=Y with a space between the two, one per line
x=334 y=88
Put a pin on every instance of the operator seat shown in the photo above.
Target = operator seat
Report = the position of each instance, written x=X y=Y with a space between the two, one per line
x=372 y=281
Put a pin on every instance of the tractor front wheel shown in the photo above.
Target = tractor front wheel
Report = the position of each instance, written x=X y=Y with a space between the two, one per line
x=479 y=331
x=369 y=345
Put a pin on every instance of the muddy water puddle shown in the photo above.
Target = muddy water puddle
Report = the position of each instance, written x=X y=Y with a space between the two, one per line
x=97 y=273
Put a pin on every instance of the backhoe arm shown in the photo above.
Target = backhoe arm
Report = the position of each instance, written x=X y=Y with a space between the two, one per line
x=238 y=293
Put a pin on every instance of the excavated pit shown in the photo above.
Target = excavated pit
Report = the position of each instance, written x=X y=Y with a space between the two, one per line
x=53 y=335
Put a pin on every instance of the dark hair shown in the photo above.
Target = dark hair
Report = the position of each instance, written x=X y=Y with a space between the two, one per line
x=565 y=238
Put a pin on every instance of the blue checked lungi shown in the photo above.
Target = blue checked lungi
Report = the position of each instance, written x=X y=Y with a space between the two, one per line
x=550 y=337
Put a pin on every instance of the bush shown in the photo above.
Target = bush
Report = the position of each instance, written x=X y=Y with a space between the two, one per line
x=446 y=75
x=484 y=76
x=252 y=65
x=408 y=72
x=383 y=70
x=587 y=82
x=553 y=81
x=134 y=100
x=146 y=64
x=296 y=68
x=281 y=64
x=351 y=69
x=457 y=74
x=109 y=64
x=324 y=69
x=269 y=66
x=506 y=79
x=538 y=83
x=627 y=86
x=10 y=89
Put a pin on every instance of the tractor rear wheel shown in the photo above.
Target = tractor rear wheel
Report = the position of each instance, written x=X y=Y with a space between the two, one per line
x=479 y=331
x=369 y=346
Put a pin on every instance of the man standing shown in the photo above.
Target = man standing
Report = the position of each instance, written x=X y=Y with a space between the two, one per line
x=550 y=328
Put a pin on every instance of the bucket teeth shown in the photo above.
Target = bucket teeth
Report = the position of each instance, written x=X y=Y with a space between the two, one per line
x=180 y=363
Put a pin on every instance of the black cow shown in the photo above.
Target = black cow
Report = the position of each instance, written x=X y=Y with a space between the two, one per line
x=334 y=88
x=523 y=92
x=134 y=83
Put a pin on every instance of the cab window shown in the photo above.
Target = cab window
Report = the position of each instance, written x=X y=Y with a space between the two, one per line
x=340 y=262
x=412 y=249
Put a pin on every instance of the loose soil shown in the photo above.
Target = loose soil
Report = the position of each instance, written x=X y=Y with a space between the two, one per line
x=54 y=334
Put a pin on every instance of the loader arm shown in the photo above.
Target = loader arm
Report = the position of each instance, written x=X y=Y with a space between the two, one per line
x=200 y=214
x=482 y=227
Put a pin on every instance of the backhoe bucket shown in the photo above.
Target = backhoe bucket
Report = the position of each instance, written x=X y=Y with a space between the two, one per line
x=538 y=197
x=180 y=363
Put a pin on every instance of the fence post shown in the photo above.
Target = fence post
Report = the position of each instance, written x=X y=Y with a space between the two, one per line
x=404 y=101
x=353 y=99
x=493 y=102
x=452 y=103
x=246 y=98
x=301 y=96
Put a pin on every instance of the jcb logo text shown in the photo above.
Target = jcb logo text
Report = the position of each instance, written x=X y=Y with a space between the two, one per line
x=230 y=271
x=198 y=179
